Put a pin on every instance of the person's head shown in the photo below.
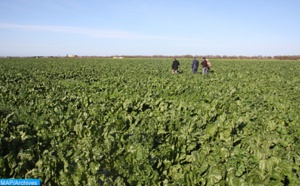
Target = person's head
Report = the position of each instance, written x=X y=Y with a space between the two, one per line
x=194 y=58
x=204 y=58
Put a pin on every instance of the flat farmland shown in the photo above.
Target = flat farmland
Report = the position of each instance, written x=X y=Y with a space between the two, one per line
x=102 y=121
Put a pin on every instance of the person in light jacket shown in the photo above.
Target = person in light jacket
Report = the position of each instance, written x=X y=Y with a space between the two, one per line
x=208 y=65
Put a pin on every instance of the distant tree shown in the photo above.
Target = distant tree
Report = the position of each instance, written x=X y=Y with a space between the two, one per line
x=188 y=56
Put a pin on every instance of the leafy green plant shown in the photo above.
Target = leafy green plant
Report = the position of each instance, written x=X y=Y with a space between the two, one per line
x=132 y=122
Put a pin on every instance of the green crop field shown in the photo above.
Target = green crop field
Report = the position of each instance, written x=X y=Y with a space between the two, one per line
x=90 y=121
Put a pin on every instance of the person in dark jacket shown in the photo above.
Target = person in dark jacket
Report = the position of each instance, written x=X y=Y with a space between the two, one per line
x=175 y=66
x=204 y=66
x=195 y=65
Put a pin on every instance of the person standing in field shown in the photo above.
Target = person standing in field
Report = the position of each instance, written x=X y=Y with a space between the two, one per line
x=175 y=66
x=195 y=65
x=204 y=66
x=209 y=65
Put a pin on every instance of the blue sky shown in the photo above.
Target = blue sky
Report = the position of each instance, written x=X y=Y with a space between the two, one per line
x=149 y=27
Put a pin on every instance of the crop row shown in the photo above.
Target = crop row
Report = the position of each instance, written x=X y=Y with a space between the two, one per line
x=132 y=122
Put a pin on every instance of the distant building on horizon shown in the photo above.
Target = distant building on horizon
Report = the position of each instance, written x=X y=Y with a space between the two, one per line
x=117 y=57
x=71 y=55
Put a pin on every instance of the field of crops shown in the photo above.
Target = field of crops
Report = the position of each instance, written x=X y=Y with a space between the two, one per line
x=132 y=122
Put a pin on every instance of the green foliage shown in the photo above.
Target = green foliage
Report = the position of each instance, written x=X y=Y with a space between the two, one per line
x=132 y=122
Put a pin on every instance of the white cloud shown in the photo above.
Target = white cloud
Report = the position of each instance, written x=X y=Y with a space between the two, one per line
x=90 y=32
x=69 y=29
